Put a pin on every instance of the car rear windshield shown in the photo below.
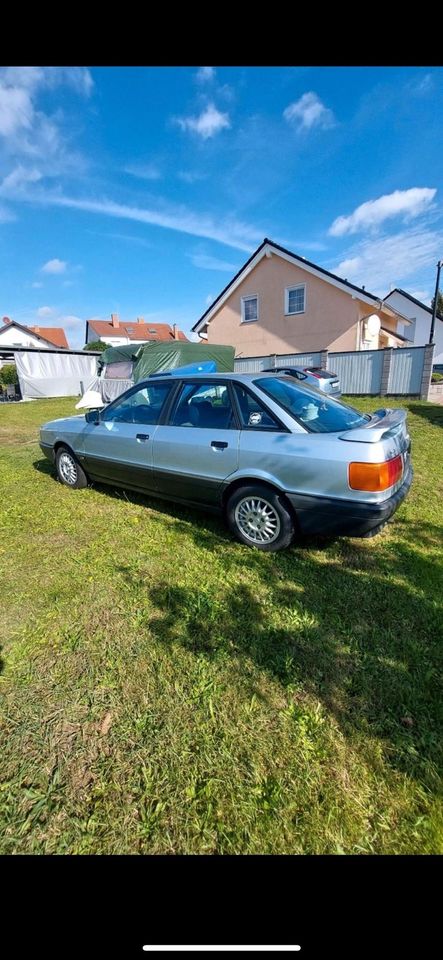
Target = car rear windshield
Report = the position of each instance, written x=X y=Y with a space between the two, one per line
x=323 y=373
x=315 y=411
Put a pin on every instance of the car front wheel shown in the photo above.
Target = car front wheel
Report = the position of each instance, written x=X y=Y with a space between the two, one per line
x=260 y=517
x=69 y=470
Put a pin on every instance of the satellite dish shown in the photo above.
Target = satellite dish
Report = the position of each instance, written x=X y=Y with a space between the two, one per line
x=373 y=324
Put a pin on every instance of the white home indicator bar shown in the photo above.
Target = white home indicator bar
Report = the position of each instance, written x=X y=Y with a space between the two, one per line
x=241 y=947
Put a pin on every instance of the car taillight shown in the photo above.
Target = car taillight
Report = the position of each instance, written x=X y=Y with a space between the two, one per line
x=313 y=374
x=375 y=476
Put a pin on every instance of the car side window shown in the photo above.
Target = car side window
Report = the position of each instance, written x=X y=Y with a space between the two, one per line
x=142 y=406
x=203 y=405
x=252 y=413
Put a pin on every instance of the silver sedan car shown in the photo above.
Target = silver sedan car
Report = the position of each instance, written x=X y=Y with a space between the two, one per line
x=314 y=377
x=275 y=456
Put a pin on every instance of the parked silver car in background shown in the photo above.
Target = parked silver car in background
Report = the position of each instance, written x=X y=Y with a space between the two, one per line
x=313 y=377
x=273 y=454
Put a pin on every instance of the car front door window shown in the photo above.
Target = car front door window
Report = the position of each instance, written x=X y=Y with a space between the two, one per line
x=143 y=406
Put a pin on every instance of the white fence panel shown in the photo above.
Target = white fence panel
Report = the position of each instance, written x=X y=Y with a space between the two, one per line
x=358 y=372
x=406 y=370
x=252 y=364
x=257 y=364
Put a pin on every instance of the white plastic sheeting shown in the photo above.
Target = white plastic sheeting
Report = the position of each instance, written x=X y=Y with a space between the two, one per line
x=90 y=400
x=100 y=392
x=45 y=374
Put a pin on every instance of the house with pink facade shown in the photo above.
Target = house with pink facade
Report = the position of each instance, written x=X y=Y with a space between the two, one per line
x=282 y=303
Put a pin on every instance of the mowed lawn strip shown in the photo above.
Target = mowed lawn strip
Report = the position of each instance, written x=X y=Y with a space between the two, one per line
x=165 y=689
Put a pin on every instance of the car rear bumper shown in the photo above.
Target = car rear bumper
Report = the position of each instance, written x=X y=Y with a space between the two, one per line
x=329 y=517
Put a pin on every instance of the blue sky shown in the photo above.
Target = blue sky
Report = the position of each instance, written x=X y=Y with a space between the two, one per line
x=141 y=191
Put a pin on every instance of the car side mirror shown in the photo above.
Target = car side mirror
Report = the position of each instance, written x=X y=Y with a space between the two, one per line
x=92 y=416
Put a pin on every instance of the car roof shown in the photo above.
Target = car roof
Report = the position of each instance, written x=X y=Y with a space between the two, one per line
x=207 y=376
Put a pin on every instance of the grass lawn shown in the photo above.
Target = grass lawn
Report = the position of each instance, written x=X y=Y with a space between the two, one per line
x=165 y=689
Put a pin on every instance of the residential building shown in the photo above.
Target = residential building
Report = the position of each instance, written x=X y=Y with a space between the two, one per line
x=13 y=334
x=116 y=332
x=420 y=317
x=281 y=303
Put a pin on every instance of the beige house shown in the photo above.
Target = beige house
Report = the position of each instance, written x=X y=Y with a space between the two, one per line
x=282 y=303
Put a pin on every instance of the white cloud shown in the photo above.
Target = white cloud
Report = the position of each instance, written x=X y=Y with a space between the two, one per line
x=205 y=74
x=309 y=112
x=391 y=260
x=31 y=78
x=16 y=110
x=19 y=177
x=424 y=85
x=422 y=295
x=207 y=124
x=206 y=262
x=54 y=266
x=36 y=285
x=46 y=312
x=407 y=203
x=230 y=231
x=190 y=176
x=27 y=132
x=70 y=321
x=209 y=299
x=147 y=171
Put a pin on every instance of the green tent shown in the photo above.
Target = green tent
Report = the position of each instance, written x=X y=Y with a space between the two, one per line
x=160 y=356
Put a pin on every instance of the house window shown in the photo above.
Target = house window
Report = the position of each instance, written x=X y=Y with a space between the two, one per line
x=295 y=298
x=249 y=309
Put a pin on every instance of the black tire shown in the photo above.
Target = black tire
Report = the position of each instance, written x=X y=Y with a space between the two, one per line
x=68 y=466
x=275 y=523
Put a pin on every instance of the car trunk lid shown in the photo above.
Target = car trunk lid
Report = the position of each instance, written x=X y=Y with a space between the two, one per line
x=383 y=425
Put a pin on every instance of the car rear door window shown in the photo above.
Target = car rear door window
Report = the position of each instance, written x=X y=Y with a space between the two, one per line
x=253 y=414
x=143 y=406
x=317 y=412
x=205 y=405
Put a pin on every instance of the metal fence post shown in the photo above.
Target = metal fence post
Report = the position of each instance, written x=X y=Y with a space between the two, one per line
x=427 y=371
x=386 y=369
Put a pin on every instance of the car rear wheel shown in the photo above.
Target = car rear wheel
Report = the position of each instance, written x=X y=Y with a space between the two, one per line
x=69 y=470
x=260 y=517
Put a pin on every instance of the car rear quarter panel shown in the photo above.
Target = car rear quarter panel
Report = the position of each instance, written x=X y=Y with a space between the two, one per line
x=315 y=464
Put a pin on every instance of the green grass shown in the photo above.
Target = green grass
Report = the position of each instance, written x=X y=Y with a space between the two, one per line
x=166 y=689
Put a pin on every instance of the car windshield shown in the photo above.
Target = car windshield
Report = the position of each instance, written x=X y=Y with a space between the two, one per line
x=316 y=411
x=321 y=372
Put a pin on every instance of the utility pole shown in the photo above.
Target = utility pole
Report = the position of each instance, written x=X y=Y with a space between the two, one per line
x=434 y=308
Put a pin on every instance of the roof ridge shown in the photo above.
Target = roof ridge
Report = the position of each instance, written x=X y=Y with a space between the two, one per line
x=295 y=256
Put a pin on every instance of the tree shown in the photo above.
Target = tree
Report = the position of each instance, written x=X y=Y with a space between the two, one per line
x=96 y=345
x=439 y=303
x=8 y=373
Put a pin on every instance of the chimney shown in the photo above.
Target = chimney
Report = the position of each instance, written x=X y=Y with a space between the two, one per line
x=114 y=320
x=140 y=320
x=7 y=320
x=175 y=331
x=36 y=329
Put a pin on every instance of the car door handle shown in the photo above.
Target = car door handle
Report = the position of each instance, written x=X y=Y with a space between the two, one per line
x=218 y=444
x=142 y=436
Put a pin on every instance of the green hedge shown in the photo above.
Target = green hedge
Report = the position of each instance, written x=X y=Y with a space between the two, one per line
x=8 y=374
